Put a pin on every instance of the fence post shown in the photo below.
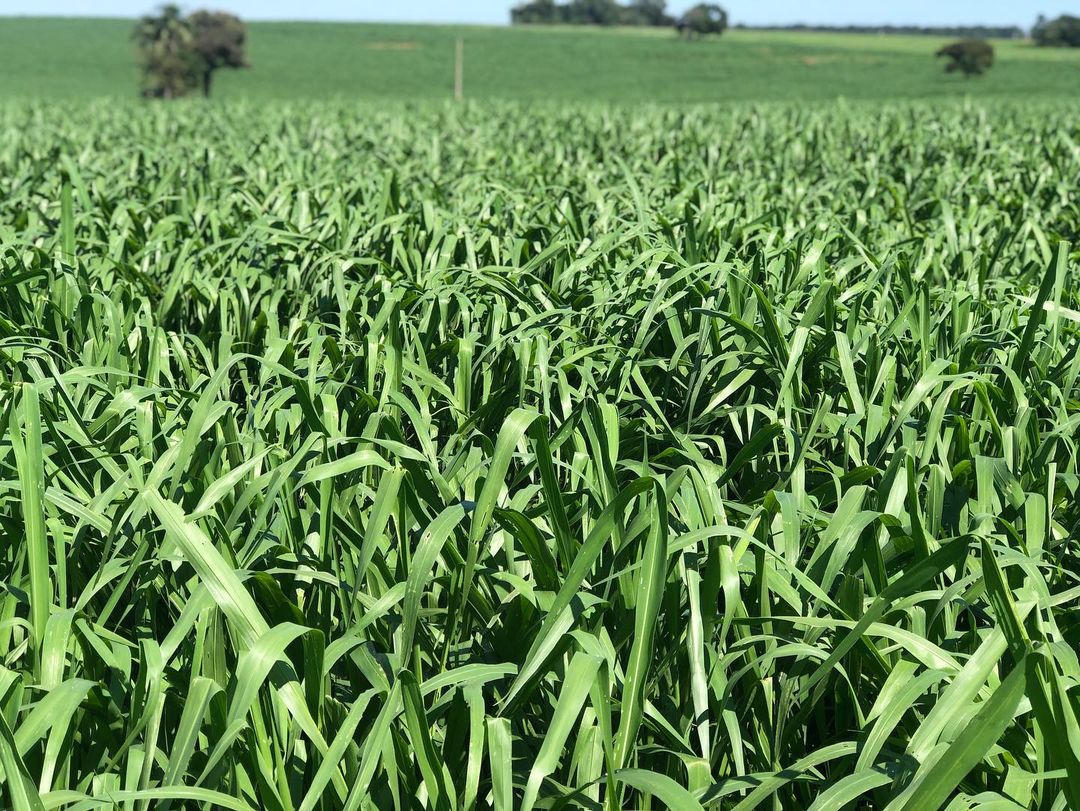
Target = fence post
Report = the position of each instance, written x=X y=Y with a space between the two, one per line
x=459 y=70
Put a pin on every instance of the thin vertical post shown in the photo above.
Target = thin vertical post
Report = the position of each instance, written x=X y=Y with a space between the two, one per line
x=459 y=70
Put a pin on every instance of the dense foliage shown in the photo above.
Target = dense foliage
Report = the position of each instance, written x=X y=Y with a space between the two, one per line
x=971 y=57
x=591 y=12
x=490 y=455
x=1061 y=32
x=703 y=20
x=179 y=54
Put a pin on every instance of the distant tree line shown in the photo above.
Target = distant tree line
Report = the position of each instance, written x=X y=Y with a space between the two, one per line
x=966 y=31
x=1063 y=32
x=706 y=18
x=592 y=12
x=699 y=21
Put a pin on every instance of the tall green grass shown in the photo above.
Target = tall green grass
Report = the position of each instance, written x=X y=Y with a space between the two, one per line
x=509 y=457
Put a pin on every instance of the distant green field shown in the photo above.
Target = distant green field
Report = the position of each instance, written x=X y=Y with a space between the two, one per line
x=71 y=58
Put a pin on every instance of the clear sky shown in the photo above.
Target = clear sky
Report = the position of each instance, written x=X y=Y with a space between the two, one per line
x=925 y=12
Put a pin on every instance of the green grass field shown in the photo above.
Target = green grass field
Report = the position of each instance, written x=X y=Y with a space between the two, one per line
x=583 y=446
x=64 y=59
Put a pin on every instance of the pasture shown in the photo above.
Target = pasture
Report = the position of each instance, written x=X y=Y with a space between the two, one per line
x=69 y=59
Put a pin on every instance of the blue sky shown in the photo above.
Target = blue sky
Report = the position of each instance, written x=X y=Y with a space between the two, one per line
x=928 y=12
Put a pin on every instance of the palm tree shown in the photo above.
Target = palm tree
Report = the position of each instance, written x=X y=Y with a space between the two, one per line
x=164 y=40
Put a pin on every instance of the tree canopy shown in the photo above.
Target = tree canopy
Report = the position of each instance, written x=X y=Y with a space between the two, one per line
x=1062 y=32
x=972 y=57
x=166 y=56
x=179 y=54
x=702 y=20
x=592 y=12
